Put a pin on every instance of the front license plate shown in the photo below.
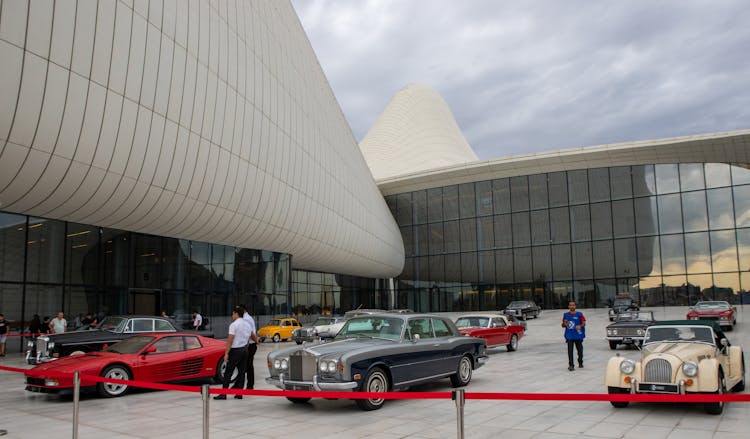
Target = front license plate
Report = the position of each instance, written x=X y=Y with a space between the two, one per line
x=657 y=388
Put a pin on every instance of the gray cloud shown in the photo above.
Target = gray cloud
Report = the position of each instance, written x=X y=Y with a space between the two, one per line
x=524 y=77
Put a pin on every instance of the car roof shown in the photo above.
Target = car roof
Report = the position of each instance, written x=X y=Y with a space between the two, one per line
x=490 y=315
x=714 y=325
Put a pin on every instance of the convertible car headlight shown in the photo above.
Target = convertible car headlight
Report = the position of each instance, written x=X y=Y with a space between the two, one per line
x=690 y=368
x=281 y=364
x=627 y=366
x=328 y=366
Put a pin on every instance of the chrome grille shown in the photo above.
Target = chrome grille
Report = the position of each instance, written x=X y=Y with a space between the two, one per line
x=658 y=371
x=628 y=331
x=41 y=347
x=302 y=366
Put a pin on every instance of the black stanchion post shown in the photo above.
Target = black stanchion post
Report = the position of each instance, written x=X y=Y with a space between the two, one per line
x=76 y=398
x=460 y=398
x=206 y=397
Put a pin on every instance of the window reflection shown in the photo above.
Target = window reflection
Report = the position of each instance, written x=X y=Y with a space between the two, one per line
x=742 y=205
x=620 y=184
x=741 y=174
x=501 y=195
x=670 y=214
x=667 y=179
x=694 y=214
x=578 y=186
x=538 y=191
x=643 y=180
x=720 y=212
x=743 y=243
x=717 y=175
x=649 y=259
x=723 y=251
x=623 y=218
x=672 y=254
x=645 y=216
x=558 y=189
x=12 y=247
x=601 y=221
x=599 y=184
x=698 y=253
x=691 y=176
x=540 y=227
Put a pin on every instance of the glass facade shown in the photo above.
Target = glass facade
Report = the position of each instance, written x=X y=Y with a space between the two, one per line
x=668 y=234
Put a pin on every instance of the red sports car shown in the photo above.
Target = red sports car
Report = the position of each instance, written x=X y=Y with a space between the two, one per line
x=496 y=329
x=717 y=310
x=155 y=357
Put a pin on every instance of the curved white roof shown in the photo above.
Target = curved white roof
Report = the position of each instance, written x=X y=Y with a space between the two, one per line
x=415 y=132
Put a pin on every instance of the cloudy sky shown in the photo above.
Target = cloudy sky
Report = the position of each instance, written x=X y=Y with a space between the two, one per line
x=531 y=76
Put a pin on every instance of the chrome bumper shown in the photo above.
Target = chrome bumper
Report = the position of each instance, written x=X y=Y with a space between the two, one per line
x=286 y=384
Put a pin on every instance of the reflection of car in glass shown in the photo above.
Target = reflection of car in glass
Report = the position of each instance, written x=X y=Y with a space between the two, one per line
x=310 y=333
x=679 y=357
x=379 y=353
x=159 y=358
x=523 y=309
x=111 y=330
x=495 y=329
x=719 y=311
x=331 y=330
x=629 y=328
x=278 y=329
x=622 y=304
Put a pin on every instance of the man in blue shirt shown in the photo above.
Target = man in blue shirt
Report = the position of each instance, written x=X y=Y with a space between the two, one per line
x=575 y=331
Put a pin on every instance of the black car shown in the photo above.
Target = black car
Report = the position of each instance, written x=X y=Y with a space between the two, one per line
x=629 y=328
x=622 y=304
x=523 y=309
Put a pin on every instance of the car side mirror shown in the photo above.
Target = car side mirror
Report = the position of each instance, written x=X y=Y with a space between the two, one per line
x=149 y=350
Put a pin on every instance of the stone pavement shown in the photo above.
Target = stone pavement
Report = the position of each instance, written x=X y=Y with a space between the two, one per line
x=539 y=366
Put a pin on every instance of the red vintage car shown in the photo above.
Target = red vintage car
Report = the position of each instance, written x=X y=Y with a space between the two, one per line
x=496 y=329
x=719 y=311
x=154 y=357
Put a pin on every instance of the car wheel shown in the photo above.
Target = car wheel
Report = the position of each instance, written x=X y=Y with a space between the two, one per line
x=463 y=372
x=276 y=338
x=109 y=390
x=513 y=345
x=298 y=341
x=618 y=391
x=221 y=367
x=613 y=345
x=375 y=381
x=739 y=387
x=715 y=408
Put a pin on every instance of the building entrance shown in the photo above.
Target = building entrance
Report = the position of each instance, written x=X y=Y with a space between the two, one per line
x=144 y=301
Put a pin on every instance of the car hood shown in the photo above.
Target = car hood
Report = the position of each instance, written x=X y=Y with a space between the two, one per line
x=332 y=348
x=683 y=351
x=84 y=336
x=629 y=324
x=75 y=363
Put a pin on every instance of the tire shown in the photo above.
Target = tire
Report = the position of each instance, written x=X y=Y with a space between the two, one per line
x=261 y=339
x=276 y=338
x=716 y=408
x=111 y=390
x=739 y=387
x=613 y=345
x=375 y=381
x=618 y=391
x=513 y=345
x=219 y=376
x=298 y=341
x=298 y=400
x=462 y=377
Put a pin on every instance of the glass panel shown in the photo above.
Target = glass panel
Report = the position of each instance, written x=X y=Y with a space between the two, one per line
x=452 y=237
x=522 y=264
x=147 y=261
x=435 y=204
x=558 y=189
x=724 y=251
x=604 y=259
x=623 y=218
x=643 y=180
x=437 y=268
x=649 y=259
x=504 y=266
x=625 y=257
x=601 y=221
x=469 y=272
x=116 y=257
x=486 y=267
x=741 y=205
x=599 y=184
x=390 y=200
x=578 y=186
x=408 y=236
x=467 y=200
x=501 y=195
x=408 y=271
x=672 y=254
x=741 y=174
x=675 y=291
x=45 y=247
x=485 y=233
x=404 y=209
x=584 y=293
x=691 y=176
x=540 y=227
x=720 y=212
x=620 y=182
x=420 y=207
x=670 y=214
x=559 y=225
x=503 y=235
x=538 y=191
x=743 y=243
x=484 y=198
x=726 y=287
x=436 y=238
x=82 y=255
x=580 y=223
x=12 y=237
x=745 y=283
x=521 y=229
x=542 y=263
x=651 y=291
x=694 y=211
x=421 y=239
x=645 y=216
x=450 y=202
x=453 y=268
x=519 y=193
x=699 y=287
x=44 y=300
x=698 y=253
x=468 y=231
x=667 y=179
x=717 y=175
x=582 y=268
x=562 y=269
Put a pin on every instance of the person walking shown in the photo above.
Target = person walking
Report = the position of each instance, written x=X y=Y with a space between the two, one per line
x=574 y=323
x=197 y=321
x=252 y=348
x=3 y=334
x=235 y=355
x=58 y=324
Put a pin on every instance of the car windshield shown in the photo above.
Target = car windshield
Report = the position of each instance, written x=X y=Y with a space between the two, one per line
x=517 y=304
x=712 y=305
x=323 y=321
x=372 y=327
x=676 y=334
x=471 y=321
x=622 y=302
x=274 y=322
x=641 y=316
x=114 y=324
x=132 y=345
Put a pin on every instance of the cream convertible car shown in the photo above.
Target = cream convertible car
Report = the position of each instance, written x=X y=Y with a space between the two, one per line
x=681 y=356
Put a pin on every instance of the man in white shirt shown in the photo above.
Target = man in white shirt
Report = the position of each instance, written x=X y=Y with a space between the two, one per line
x=197 y=320
x=235 y=355
x=58 y=324
x=252 y=348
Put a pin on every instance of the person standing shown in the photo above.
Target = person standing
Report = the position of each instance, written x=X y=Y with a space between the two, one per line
x=252 y=347
x=235 y=355
x=35 y=326
x=197 y=320
x=3 y=334
x=44 y=329
x=575 y=331
x=58 y=324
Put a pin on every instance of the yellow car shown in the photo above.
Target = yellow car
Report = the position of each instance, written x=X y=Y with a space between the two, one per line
x=278 y=329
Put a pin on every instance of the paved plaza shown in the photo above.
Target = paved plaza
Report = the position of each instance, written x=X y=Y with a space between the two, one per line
x=539 y=366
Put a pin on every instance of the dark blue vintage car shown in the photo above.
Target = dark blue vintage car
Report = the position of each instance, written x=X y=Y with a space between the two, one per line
x=379 y=353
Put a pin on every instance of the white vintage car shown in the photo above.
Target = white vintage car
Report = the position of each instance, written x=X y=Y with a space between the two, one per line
x=680 y=357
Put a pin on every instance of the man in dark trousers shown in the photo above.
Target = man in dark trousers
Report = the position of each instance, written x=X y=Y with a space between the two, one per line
x=575 y=331
x=252 y=347
x=235 y=355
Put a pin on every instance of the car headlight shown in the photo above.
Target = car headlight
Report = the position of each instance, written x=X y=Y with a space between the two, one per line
x=30 y=344
x=627 y=366
x=690 y=368
x=609 y=332
x=281 y=364
x=611 y=312
x=614 y=332
x=640 y=331
x=328 y=366
x=51 y=345
x=51 y=382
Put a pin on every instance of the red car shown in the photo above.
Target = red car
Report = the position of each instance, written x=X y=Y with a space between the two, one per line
x=496 y=329
x=154 y=357
x=719 y=311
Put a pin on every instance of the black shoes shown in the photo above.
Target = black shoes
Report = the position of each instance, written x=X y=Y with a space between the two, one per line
x=237 y=396
x=580 y=365
x=220 y=397
x=571 y=368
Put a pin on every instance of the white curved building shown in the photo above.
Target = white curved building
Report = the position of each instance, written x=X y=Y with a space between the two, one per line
x=416 y=132
x=203 y=121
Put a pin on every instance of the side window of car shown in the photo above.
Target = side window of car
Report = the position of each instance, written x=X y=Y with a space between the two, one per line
x=420 y=327
x=192 y=343
x=499 y=323
x=143 y=325
x=168 y=344
x=163 y=325
x=441 y=328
